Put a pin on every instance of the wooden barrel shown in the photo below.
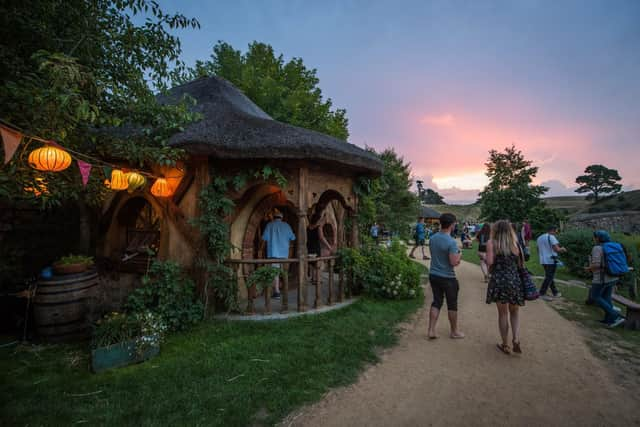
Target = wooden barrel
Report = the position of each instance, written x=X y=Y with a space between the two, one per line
x=61 y=305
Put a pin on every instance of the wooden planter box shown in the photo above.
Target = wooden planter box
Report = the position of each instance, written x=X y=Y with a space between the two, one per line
x=121 y=354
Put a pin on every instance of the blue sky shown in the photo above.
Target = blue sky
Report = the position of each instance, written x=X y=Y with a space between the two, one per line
x=444 y=82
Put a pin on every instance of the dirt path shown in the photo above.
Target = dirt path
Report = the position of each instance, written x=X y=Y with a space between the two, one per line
x=556 y=382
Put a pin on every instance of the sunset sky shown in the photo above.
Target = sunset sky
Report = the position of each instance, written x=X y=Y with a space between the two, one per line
x=444 y=82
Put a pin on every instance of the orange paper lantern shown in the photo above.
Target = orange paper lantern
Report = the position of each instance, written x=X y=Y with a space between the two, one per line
x=161 y=188
x=119 y=180
x=49 y=159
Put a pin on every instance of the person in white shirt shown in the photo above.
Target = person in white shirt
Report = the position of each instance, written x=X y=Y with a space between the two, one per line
x=548 y=249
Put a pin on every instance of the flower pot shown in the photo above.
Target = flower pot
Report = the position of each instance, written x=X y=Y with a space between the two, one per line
x=120 y=354
x=71 y=268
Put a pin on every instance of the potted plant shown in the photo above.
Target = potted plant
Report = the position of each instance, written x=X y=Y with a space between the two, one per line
x=72 y=264
x=120 y=339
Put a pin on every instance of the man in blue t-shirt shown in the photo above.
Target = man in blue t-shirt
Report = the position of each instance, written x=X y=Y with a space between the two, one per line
x=420 y=237
x=375 y=231
x=445 y=255
x=277 y=235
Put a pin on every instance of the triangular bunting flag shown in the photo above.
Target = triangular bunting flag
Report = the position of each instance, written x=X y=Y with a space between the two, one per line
x=11 y=141
x=85 y=170
x=107 y=171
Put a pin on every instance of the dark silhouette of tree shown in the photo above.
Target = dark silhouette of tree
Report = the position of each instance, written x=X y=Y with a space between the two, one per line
x=429 y=196
x=598 y=179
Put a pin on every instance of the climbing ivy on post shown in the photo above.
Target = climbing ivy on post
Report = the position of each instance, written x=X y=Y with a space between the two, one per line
x=215 y=206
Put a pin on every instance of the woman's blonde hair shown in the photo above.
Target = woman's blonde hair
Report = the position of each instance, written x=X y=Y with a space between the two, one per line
x=505 y=241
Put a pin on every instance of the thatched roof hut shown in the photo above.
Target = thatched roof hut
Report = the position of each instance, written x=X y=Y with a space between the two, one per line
x=235 y=136
x=429 y=213
x=233 y=127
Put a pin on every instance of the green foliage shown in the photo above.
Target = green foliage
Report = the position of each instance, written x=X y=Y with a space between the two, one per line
x=263 y=277
x=75 y=259
x=541 y=217
x=388 y=200
x=598 y=180
x=382 y=272
x=509 y=194
x=169 y=293
x=81 y=66
x=579 y=243
x=429 y=196
x=287 y=91
x=146 y=328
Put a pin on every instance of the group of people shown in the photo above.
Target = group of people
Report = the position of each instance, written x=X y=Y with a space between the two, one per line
x=503 y=249
x=278 y=235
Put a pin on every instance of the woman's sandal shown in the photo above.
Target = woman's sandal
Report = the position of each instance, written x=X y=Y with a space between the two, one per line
x=516 y=347
x=504 y=348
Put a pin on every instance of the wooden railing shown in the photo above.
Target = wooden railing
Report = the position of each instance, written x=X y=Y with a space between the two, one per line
x=328 y=261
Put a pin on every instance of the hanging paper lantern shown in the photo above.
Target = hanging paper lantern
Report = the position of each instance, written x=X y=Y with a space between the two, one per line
x=136 y=181
x=49 y=159
x=160 y=188
x=119 y=180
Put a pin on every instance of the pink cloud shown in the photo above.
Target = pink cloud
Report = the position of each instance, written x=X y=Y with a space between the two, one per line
x=438 y=120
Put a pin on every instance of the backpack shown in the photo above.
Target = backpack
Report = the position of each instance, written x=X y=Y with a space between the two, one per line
x=615 y=259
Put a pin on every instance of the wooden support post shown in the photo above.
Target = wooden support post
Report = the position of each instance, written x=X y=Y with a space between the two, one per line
x=330 y=296
x=284 y=291
x=267 y=296
x=318 y=282
x=302 y=239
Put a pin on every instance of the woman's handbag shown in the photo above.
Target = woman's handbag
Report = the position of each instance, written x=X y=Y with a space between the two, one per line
x=528 y=286
x=530 y=290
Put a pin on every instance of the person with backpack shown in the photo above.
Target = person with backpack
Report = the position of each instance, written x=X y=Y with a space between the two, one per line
x=607 y=262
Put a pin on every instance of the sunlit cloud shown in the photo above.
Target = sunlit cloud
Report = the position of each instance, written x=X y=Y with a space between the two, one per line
x=438 y=120
x=466 y=181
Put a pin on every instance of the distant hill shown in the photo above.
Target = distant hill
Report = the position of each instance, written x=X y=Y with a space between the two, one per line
x=567 y=204
x=462 y=212
x=629 y=200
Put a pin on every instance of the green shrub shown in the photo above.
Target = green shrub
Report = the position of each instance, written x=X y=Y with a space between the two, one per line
x=579 y=243
x=383 y=272
x=169 y=293
x=263 y=277
x=146 y=328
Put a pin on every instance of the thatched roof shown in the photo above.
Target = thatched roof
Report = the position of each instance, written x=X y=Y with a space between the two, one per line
x=428 y=212
x=233 y=127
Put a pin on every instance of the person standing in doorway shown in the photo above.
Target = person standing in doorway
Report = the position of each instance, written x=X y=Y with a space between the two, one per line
x=445 y=256
x=420 y=236
x=504 y=256
x=548 y=250
x=278 y=235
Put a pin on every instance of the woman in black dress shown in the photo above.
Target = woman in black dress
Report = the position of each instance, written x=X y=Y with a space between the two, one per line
x=505 y=287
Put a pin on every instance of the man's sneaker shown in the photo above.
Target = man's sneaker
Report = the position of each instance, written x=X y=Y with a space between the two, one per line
x=557 y=295
x=276 y=295
x=547 y=298
x=619 y=321
x=618 y=309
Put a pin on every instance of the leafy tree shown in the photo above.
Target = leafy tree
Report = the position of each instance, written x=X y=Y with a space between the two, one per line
x=541 y=217
x=509 y=194
x=429 y=196
x=388 y=199
x=598 y=179
x=71 y=67
x=287 y=91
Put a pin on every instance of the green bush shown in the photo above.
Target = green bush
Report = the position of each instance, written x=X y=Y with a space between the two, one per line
x=167 y=292
x=579 y=243
x=383 y=272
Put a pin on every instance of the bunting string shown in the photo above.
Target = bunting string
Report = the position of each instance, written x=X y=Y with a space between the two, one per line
x=12 y=136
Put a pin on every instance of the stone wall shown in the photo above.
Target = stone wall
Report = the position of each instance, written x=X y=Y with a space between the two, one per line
x=620 y=221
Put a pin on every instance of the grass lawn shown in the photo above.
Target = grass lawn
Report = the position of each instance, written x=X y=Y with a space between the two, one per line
x=619 y=347
x=219 y=373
